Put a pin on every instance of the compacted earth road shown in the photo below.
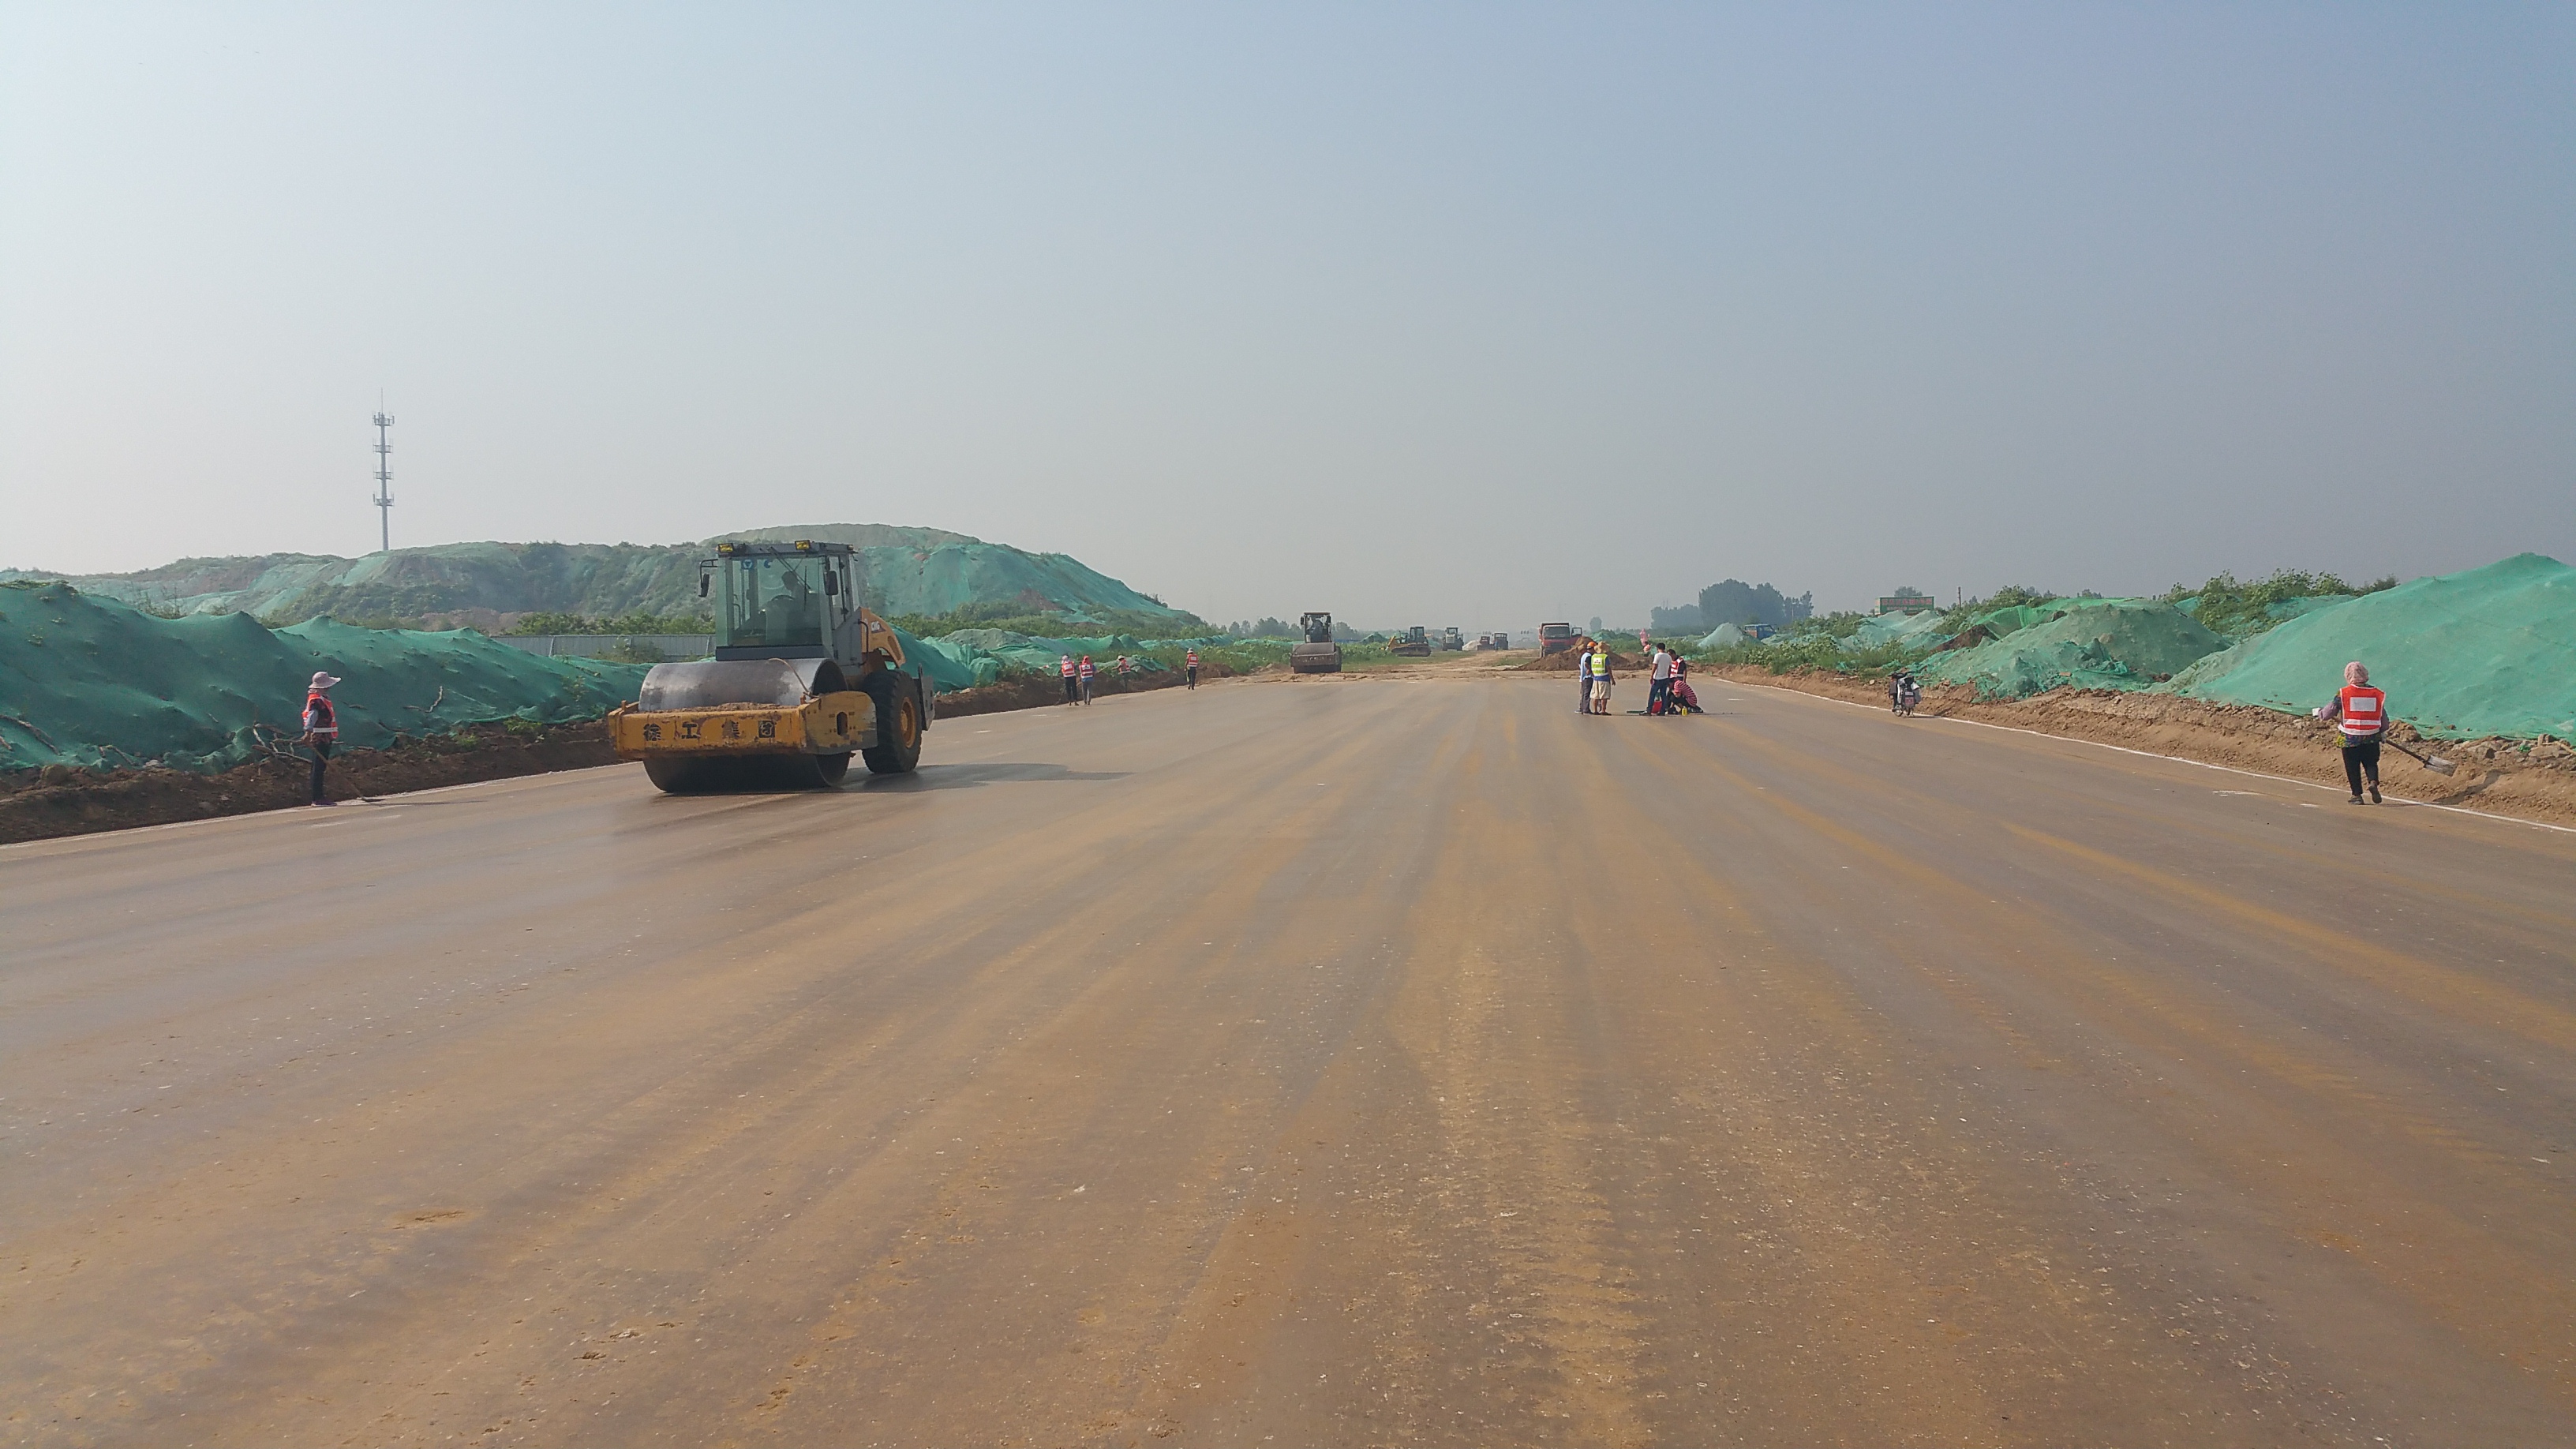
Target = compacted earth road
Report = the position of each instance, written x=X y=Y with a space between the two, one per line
x=1305 y=1061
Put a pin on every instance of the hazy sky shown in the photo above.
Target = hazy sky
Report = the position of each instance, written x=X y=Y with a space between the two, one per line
x=1451 y=314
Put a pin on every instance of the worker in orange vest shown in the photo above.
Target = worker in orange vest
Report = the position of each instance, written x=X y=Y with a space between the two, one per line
x=321 y=728
x=1193 y=665
x=1088 y=671
x=1064 y=666
x=2360 y=715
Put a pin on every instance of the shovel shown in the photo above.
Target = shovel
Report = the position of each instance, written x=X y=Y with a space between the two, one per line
x=2434 y=763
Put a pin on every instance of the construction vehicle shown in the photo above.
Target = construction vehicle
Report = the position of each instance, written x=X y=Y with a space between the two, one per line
x=1318 y=654
x=1452 y=640
x=803 y=677
x=1555 y=638
x=1413 y=643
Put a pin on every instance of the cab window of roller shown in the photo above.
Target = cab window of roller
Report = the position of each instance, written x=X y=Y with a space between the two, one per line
x=777 y=602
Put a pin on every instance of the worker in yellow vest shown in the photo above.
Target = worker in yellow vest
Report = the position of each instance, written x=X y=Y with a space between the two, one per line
x=1600 y=679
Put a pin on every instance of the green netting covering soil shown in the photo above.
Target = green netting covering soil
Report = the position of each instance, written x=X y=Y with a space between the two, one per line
x=1916 y=630
x=88 y=681
x=988 y=654
x=2014 y=618
x=2095 y=644
x=896 y=571
x=2488 y=652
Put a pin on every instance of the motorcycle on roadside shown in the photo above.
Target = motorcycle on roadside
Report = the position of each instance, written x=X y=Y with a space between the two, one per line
x=1904 y=692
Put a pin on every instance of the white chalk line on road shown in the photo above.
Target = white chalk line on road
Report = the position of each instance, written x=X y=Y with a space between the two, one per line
x=2152 y=755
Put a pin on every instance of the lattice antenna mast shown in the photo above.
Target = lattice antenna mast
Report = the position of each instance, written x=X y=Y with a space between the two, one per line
x=385 y=477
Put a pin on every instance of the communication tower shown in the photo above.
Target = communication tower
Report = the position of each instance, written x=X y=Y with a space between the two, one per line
x=385 y=477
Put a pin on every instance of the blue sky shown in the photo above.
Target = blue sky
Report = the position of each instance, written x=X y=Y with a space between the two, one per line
x=1451 y=314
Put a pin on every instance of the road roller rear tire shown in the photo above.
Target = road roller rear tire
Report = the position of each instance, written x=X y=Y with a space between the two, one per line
x=898 y=727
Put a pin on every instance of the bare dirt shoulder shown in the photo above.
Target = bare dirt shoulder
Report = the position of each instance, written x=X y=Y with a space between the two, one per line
x=2535 y=781
x=1028 y=691
x=62 y=800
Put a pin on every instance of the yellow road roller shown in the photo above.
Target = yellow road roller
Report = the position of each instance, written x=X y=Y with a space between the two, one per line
x=803 y=678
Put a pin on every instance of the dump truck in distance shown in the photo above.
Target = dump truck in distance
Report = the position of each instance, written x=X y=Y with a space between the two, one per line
x=1317 y=653
x=1555 y=638
x=803 y=678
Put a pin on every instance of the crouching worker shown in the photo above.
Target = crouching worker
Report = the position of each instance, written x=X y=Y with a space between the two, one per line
x=2360 y=714
x=321 y=728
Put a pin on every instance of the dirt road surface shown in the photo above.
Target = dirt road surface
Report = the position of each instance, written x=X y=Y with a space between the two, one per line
x=1329 y=1061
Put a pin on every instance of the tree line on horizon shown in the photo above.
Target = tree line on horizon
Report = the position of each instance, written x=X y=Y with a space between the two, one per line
x=1733 y=601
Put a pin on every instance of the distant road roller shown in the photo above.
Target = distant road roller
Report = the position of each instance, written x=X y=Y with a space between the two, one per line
x=1317 y=653
x=803 y=678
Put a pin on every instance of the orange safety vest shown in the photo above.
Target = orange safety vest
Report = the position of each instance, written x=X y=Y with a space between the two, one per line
x=319 y=718
x=1194 y=659
x=1087 y=669
x=2364 y=710
x=1065 y=668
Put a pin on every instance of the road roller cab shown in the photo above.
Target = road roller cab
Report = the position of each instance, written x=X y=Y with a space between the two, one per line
x=803 y=677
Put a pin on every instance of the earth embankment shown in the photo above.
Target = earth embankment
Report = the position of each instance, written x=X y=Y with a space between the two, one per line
x=2534 y=780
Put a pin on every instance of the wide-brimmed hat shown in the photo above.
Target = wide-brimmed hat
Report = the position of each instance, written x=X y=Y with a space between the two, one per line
x=324 y=679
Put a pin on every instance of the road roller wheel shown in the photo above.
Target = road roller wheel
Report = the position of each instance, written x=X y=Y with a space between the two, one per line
x=676 y=777
x=898 y=703
x=833 y=767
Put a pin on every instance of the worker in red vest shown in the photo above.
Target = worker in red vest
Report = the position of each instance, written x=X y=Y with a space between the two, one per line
x=321 y=728
x=1064 y=666
x=1193 y=665
x=2360 y=714
x=1088 y=671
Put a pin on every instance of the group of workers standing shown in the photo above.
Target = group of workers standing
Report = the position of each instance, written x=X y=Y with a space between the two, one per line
x=1079 y=674
x=1668 y=688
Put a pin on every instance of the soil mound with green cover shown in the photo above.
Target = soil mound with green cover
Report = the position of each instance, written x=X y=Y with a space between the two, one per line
x=2489 y=652
x=907 y=571
x=2096 y=644
x=92 y=682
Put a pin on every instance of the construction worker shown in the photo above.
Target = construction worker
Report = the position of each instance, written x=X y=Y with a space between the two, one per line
x=1601 y=679
x=2360 y=714
x=1583 y=676
x=1193 y=666
x=791 y=617
x=1088 y=671
x=1659 y=680
x=1064 y=666
x=321 y=728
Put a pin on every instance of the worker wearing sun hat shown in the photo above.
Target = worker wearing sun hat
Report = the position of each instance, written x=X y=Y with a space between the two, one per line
x=321 y=727
x=2360 y=715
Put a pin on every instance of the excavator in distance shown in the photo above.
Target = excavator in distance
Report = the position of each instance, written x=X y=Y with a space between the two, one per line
x=803 y=678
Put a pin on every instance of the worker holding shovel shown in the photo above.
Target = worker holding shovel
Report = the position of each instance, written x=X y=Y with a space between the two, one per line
x=2360 y=714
